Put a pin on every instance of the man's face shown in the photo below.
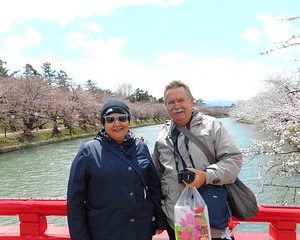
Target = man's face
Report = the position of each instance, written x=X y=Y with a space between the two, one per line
x=179 y=105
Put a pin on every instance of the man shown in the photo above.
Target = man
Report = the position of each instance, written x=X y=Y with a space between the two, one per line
x=172 y=146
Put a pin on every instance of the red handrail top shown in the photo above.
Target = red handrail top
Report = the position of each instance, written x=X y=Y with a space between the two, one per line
x=56 y=207
x=277 y=213
x=45 y=207
x=33 y=223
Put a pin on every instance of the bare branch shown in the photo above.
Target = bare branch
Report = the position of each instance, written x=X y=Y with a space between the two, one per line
x=289 y=19
x=284 y=44
x=290 y=42
x=279 y=185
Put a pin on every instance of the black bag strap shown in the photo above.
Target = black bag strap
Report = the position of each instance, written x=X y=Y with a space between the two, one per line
x=186 y=132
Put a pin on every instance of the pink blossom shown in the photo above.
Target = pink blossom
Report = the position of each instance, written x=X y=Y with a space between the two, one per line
x=186 y=235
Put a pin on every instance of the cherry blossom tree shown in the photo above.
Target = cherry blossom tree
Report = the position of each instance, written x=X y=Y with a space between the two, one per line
x=54 y=103
x=25 y=100
x=5 y=88
x=276 y=113
x=32 y=100
x=157 y=111
x=138 y=111
x=88 y=110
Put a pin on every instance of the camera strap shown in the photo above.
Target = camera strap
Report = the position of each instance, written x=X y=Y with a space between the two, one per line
x=186 y=142
x=176 y=151
x=189 y=135
x=174 y=137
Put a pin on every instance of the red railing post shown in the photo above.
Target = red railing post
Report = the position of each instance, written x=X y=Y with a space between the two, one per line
x=282 y=230
x=32 y=224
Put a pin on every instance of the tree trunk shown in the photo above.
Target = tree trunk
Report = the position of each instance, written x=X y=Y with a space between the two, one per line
x=55 y=130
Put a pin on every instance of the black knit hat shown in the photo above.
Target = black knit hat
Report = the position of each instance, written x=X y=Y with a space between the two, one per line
x=114 y=106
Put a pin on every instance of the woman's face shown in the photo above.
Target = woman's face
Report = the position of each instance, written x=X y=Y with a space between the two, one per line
x=116 y=126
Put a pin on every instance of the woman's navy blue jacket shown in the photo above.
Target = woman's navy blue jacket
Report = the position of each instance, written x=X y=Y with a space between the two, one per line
x=113 y=192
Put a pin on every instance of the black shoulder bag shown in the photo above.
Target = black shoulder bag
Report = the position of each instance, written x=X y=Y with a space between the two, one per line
x=242 y=201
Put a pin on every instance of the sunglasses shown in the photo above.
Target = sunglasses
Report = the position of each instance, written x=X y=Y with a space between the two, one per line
x=120 y=118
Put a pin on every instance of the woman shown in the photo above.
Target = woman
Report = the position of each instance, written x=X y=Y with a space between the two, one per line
x=114 y=190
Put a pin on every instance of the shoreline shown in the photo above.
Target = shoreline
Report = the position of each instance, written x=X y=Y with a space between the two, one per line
x=26 y=145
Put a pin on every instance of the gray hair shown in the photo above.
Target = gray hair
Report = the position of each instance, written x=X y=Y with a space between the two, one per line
x=177 y=84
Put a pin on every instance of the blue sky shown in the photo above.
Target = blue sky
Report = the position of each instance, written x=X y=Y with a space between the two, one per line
x=212 y=45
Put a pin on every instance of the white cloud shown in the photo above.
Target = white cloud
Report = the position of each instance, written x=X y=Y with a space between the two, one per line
x=32 y=37
x=275 y=29
x=171 y=58
x=165 y=3
x=93 y=27
x=209 y=79
x=104 y=63
x=63 y=12
x=97 y=49
x=76 y=40
x=14 y=43
x=252 y=35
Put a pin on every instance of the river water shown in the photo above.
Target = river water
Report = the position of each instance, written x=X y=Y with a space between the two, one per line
x=42 y=172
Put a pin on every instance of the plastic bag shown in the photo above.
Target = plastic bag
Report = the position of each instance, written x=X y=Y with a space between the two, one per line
x=191 y=216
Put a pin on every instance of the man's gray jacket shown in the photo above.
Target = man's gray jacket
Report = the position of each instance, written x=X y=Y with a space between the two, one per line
x=211 y=132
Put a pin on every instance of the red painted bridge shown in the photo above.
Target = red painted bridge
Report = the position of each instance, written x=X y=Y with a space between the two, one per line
x=33 y=224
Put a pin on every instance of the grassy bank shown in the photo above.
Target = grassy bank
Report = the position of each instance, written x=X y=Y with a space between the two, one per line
x=12 y=141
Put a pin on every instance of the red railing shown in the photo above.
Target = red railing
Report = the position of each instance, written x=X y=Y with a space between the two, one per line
x=33 y=222
x=32 y=217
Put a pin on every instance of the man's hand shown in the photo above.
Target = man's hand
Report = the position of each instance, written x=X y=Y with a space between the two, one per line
x=200 y=178
x=159 y=231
